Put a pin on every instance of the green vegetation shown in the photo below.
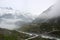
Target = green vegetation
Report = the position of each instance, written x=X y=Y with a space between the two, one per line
x=41 y=27
x=12 y=35
x=51 y=25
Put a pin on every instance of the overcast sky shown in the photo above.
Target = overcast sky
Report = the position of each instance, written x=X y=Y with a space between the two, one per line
x=35 y=7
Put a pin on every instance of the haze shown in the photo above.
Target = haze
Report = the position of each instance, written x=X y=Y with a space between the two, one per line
x=35 y=7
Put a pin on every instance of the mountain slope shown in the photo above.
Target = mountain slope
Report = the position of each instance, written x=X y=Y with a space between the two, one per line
x=51 y=12
x=46 y=22
x=6 y=34
x=44 y=16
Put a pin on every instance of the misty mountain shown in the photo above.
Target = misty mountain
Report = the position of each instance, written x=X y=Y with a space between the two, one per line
x=47 y=21
x=12 y=18
x=45 y=15
x=50 y=13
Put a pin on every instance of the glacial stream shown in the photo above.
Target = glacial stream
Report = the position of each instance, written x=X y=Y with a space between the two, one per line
x=37 y=35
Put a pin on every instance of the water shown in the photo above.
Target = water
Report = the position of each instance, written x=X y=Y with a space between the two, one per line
x=41 y=35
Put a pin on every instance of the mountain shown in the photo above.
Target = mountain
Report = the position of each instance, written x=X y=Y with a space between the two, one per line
x=46 y=22
x=11 y=18
x=51 y=12
x=45 y=15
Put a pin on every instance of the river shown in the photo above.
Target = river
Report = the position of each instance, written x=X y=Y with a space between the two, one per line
x=34 y=35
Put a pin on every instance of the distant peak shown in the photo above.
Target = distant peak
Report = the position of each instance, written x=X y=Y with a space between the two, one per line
x=9 y=8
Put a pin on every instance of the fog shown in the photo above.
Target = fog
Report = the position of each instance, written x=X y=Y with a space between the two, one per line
x=51 y=12
x=33 y=7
